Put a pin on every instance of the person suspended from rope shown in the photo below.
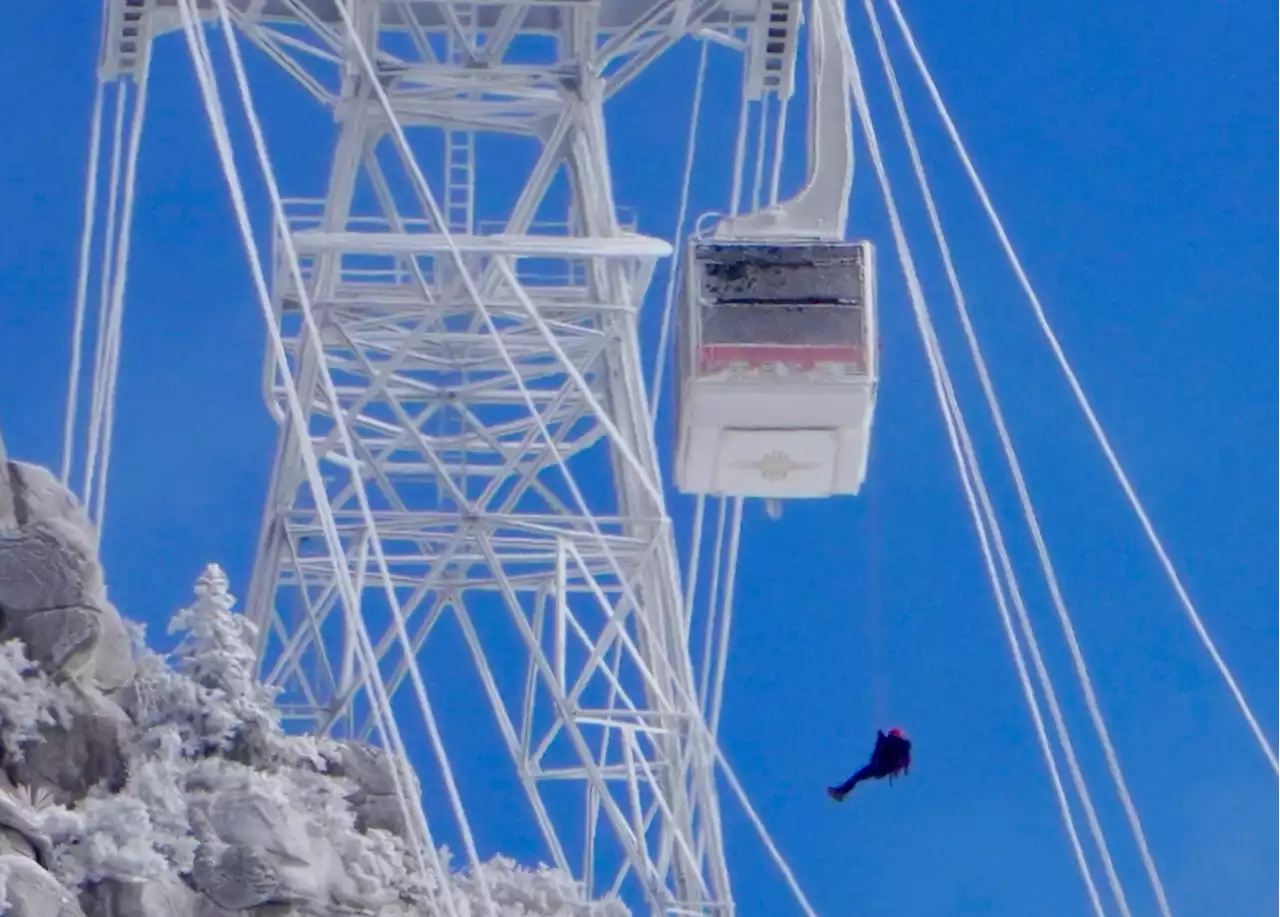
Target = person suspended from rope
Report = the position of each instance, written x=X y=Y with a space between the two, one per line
x=890 y=757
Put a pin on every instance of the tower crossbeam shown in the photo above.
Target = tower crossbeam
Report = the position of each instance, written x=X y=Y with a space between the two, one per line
x=501 y=471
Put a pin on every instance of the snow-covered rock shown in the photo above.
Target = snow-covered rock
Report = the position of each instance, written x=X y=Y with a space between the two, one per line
x=52 y=593
x=8 y=514
x=83 y=750
x=260 y=853
x=46 y=564
x=19 y=831
x=27 y=890
x=167 y=897
x=37 y=494
x=134 y=785
x=374 y=798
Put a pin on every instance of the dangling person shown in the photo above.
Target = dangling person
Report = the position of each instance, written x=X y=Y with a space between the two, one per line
x=890 y=757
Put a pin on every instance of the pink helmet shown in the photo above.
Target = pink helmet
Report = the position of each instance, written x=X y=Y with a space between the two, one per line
x=895 y=731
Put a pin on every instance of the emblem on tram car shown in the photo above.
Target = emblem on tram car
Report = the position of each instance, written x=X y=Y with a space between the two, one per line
x=776 y=465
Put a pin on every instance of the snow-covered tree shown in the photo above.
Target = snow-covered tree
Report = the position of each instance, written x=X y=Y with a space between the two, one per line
x=29 y=700
x=234 y=713
x=544 y=892
x=216 y=649
x=209 y=694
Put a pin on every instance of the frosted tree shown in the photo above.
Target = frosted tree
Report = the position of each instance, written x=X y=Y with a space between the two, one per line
x=29 y=700
x=217 y=643
x=210 y=694
x=540 y=892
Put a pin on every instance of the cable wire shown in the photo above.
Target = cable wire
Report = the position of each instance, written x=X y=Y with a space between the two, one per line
x=682 y=213
x=954 y=422
x=1082 y=400
x=119 y=278
x=82 y=282
x=1032 y=523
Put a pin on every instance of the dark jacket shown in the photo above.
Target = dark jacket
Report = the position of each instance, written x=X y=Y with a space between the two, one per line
x=891 y=754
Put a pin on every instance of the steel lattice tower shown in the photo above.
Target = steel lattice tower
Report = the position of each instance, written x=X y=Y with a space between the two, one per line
x=466 y=449
x=476 y=437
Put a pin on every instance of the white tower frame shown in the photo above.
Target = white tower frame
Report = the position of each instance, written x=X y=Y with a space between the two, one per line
x=452 y=396
x=419 y=317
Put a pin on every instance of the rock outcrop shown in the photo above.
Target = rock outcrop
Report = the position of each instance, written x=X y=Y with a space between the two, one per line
x=52 y=593
x=133 y=785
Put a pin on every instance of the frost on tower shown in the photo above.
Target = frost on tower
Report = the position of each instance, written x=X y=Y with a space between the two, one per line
x=466 y=473
x=466 y=478
x=478 y=466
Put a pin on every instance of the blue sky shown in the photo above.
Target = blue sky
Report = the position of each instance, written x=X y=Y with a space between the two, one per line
x=1132 y=156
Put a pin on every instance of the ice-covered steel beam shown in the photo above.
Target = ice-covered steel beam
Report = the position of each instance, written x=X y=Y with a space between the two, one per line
x=639 y=20
x=474 y=399
x=356 y=243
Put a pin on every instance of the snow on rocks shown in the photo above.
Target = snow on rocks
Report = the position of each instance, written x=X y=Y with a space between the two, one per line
x=52 y=593
x=167 y=897
x=8 y=511
x=27 y=890
x=46 y=564
x=19 y=831
x=374 y=798
x=136 y=785
x=82 y=750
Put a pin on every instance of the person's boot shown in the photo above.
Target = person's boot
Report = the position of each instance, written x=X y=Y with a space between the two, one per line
x=834 y=793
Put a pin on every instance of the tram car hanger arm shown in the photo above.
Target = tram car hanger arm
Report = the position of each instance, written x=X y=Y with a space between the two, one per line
x=820 y=210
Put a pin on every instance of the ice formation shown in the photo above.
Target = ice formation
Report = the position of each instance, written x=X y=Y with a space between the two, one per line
x=133 y=785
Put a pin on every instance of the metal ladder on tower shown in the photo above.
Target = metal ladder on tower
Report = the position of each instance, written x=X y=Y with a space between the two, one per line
x=460 y=145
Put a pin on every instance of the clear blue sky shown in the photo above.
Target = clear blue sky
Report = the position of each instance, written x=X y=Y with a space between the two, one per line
x=1132 y=153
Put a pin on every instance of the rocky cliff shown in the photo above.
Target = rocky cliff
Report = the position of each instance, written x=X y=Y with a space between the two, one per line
x=133 y=785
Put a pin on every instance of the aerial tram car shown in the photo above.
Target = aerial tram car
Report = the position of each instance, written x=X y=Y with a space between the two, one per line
x=777 y=335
